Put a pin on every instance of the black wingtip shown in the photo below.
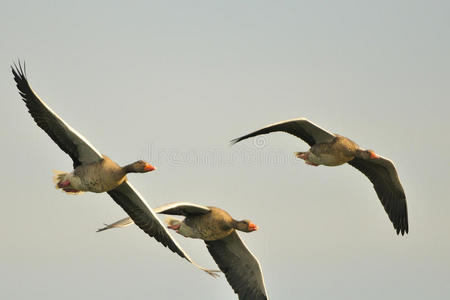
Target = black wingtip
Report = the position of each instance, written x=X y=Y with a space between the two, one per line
x=402 y=227
x=18 y=71
x=20 y=77
x=235 y=141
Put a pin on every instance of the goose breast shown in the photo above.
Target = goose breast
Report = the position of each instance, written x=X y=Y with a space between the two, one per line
x=214 y=225
x=100 y=177
x=340 y=151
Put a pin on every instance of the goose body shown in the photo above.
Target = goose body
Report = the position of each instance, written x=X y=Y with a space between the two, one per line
x=94 y=172
x=97 y=177
x=219 y=232
x=214 y=225
x=330 y=149
x=335 y=153
x=101 y=176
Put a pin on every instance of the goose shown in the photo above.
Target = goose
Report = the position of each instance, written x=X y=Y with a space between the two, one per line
x=218 y=230
x=94 y=172
x=330 y=149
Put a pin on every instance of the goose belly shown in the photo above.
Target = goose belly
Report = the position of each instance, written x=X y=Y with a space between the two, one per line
x=203 y=233
x=100 y=184
x=97 y=179
x=206 y=228
x=328 y=159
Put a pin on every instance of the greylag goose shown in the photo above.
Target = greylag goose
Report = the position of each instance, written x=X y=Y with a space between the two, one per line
x=218 y=229
x=330 y=149
x=93 y=171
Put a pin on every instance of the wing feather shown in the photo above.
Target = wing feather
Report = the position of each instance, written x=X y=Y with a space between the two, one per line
x=182 y=209
x=240 y=266
x=145 y=218
x=383 y=175
x=301 y=128
x=118 y=224
x=67 y=138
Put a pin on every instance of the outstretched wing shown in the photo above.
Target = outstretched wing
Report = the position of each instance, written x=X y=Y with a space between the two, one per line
x=176 y=208
x=67 y=138
x=118 y=224
x=143 y=216
x=381 y=172
x=182 y=209
x=301 y=128
x=240 y=267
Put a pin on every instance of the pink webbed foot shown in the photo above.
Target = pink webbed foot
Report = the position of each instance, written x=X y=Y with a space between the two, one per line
x=174 y=227
x=63 y=184
x=311 y=164
x=302 y=155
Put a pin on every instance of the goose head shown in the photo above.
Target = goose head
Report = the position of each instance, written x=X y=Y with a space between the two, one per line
x=139 y=166
x=245 y=226
x=366 y=154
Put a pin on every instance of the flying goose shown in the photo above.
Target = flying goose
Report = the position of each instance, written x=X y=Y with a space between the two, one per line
x=333 y=150
x=218 y=229
x=93 y=171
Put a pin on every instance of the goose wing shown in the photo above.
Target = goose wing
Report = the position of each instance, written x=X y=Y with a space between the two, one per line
x=144 y=217
x=301 y=128
x=182 y=209
x=176 y=208
x=118 y=224
x=240 y=267
x=67 y=138
x=383 y=175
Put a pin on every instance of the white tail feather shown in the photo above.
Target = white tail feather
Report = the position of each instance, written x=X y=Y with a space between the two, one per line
x=59 y=176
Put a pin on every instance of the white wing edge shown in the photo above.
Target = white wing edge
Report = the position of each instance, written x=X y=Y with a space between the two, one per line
x=296 y=119
x=71 y=130
x=160 y=222
x=257 y=261
x=159 y=209
x=128 y=221
x=213 y=273
x=302 y=119
x=118 y=224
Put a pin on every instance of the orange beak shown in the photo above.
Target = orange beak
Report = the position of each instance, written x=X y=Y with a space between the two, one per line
x=149 y=167
x=373 y=155
x=252 y=227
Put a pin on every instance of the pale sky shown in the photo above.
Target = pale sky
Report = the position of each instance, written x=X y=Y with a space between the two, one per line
x=172 y=82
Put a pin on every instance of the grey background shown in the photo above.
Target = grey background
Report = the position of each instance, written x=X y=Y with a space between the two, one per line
x=172 y=82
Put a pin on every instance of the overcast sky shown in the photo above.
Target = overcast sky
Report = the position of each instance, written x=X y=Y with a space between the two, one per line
x=172 y=82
